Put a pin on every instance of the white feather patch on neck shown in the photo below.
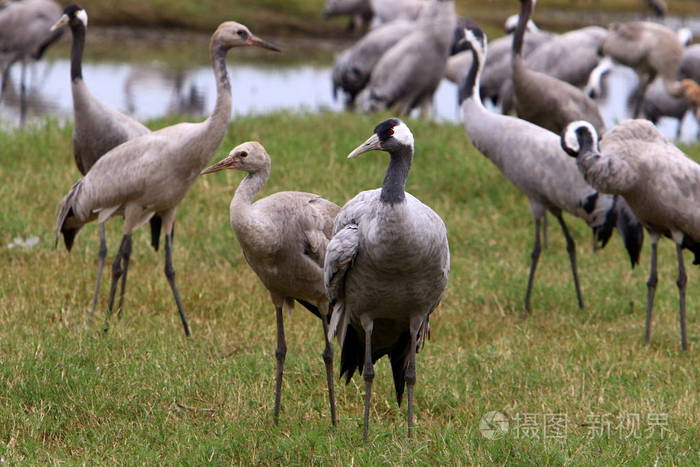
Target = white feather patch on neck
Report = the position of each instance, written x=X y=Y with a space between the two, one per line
x=82 y=16
x=403 y=134
x=477 y=45
x=571 y=139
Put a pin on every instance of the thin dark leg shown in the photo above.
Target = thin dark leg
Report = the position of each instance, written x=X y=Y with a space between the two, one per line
x=571 y=249
x=116 y=274
x=639 y=98
x=328 y=360
x=411 y=382
x=368 y=374
x=545 y=237
x=126 y=256
x=170 y=275
x=280 y=353
x=534 y=258
x=681 y=282
x=23 y=94
x=102 y=255
x=651 y=292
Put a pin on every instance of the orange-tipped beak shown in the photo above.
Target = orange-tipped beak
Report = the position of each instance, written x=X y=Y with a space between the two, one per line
x=226 y=163
x=256 y=41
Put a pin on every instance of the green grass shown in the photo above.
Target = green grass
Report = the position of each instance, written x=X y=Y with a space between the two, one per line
x=305 y=17
x=146 y=395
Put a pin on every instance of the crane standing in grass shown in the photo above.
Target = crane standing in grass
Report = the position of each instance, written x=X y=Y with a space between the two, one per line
x=530 y=157
x=659 y=182
x=386 y=269
x=283 y=237
x=97 y=128
x=151 y=174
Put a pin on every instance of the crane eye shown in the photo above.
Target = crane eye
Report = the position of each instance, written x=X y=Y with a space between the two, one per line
x=243 y=154
x=390 y=131
x=242 y=34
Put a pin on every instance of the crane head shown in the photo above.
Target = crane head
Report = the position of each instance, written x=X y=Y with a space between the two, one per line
x=579 y=136
x=231 y=34
x=389 y=135
x=72 y=14
x=249 y=157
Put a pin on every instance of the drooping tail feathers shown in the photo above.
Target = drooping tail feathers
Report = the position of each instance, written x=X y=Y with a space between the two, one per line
x=65 y=211
x=631 y=230
x=352 y=356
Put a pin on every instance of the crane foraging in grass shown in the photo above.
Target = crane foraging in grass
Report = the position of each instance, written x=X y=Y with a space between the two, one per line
x=151 y=174
x=386 y=269
x=532 y=159
x=284 y=238
x=659 y=182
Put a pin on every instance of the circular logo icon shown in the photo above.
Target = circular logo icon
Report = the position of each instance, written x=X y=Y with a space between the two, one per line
x=493 y=425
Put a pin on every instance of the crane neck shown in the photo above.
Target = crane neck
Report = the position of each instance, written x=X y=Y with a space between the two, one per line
x=249 y=187
x=470 y=86
x=393 y=189
x=519 y=34
x=78 y=30
x=221 y=116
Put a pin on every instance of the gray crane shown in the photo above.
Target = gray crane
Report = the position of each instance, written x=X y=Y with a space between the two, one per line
x=24 y=36
x=151 y=174
x=386 y=11
x=359 y=11
x=531 y=158
x=97 y=127
x=386 y=269
x=659 y=182
x=284 y=238
x=353 y=67
x=542 y=99
x=650 y=49
x=408 y=74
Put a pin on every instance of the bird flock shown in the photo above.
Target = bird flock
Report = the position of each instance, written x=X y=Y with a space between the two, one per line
x=375 y=269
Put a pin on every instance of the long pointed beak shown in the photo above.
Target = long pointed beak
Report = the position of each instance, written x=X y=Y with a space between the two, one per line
x=256 y=41
x=62 y=21
x=225 y=163
x=372 y=144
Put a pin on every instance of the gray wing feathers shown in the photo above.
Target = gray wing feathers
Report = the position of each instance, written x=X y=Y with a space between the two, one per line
x=340 y=254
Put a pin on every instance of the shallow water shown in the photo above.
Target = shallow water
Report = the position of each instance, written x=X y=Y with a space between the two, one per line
x=262 y=83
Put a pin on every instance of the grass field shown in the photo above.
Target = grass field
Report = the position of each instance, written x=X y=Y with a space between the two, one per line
x=305 y=17
x=144 y=394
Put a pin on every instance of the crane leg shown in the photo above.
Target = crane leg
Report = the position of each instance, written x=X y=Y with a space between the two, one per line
x=280 y=354
x=170 y=275
x=116 y=274
x=571 y=249
x=639 y=97
x=681 y=282
x=23 y=94
x=651 y=289
x=410 y=376
x=102 y=255
x=368 y=373
x=125 y=258
x=534 y=258
x=328 y=360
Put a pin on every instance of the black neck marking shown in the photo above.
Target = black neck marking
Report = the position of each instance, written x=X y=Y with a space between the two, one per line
x=76 y=56
x=396 y=175
x=220 y=65
x=471 y=82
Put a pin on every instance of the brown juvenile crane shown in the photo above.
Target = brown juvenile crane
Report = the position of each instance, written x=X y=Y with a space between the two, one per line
x=97 y=127
x=658 y=181
x=542 y=99
x=283 y=237
x=151 y=174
